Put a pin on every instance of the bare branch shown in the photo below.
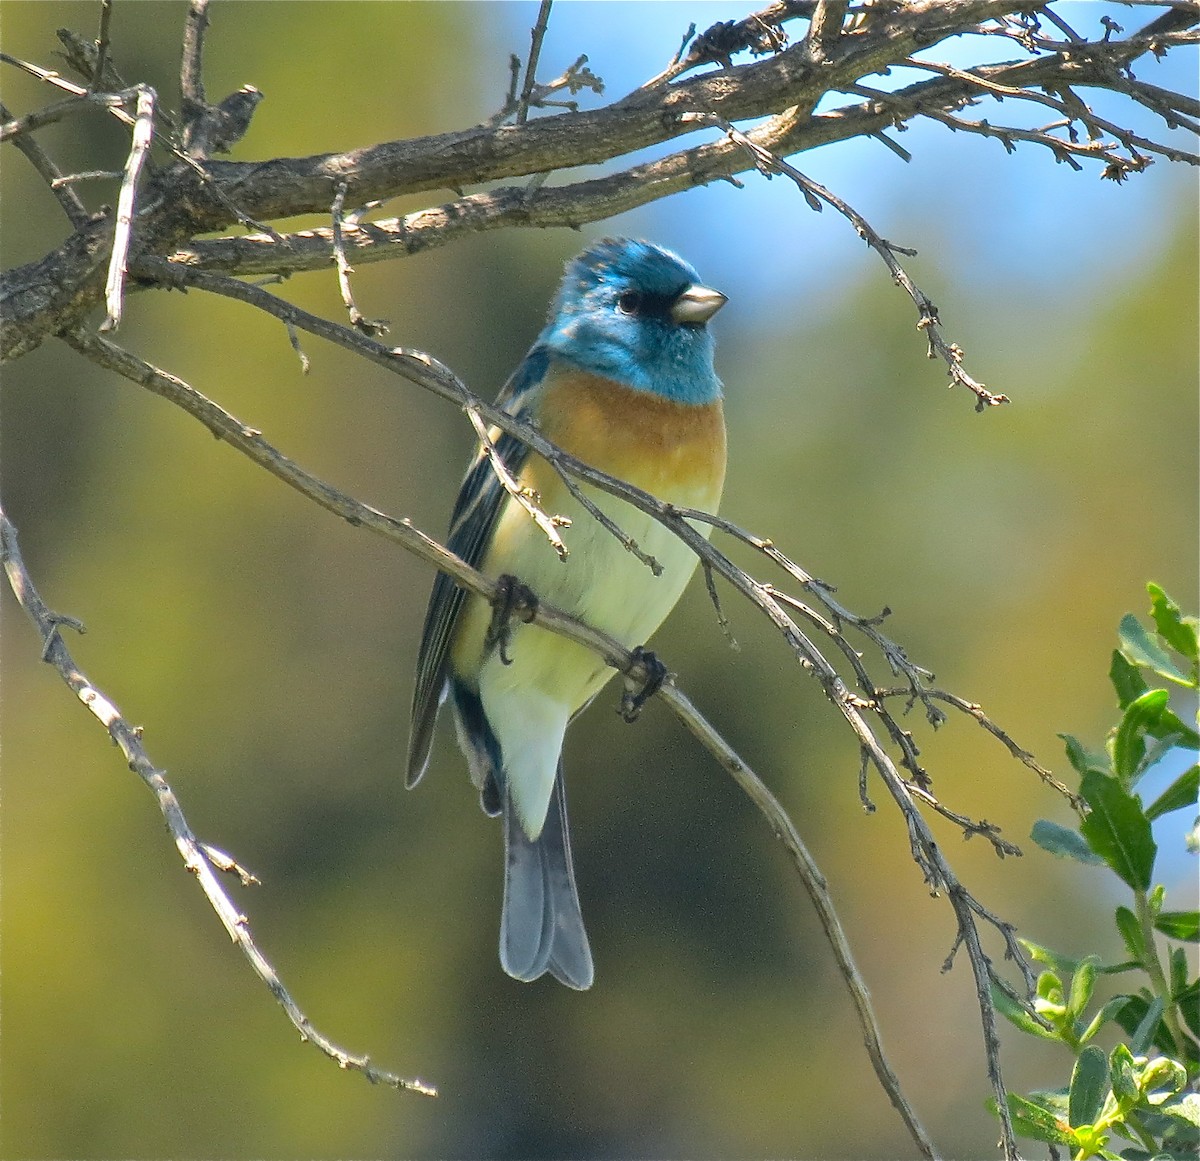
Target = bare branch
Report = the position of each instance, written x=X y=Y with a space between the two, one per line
x=536 y=36
x=75 y=210
x=927 y=321
x=195 y=854
x=428 y=373
x=102 y=45
x=251 y=443
x=606 y=522
x=525 y=497
x=825 y=27
x=191 y=69
x=143 y=131
x=48 y=115
x=842 y=46
x=784 y=86
x=974 y=710
x=369 y=326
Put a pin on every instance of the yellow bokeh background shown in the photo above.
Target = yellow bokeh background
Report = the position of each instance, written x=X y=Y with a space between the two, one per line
x=267 y=649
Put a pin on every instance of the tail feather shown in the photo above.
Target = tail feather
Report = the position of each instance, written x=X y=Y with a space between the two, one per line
x=542 y=926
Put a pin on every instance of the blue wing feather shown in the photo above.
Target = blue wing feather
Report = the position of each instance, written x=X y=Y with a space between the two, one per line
x=476 y=510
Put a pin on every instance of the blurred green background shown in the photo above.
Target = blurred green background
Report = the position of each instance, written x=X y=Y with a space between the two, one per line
x=267 y=648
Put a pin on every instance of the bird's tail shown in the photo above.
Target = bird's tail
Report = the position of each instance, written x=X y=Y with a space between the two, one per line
x=542 y=927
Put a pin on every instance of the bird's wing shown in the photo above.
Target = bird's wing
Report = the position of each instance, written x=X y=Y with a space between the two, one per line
x=476 y=510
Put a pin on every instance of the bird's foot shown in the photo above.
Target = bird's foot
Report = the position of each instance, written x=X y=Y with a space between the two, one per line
x=639 y=691
x=512 y=599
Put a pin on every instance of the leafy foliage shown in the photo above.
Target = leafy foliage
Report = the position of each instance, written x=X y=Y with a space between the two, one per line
x=1143 y=1090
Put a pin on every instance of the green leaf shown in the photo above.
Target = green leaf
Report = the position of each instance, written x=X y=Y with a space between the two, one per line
x=1131 y=933
x=1089 y=1087
x=1050 y=990
x=1179 y=969
x=1118 y=830
x=1162 y=745
x=1142 y=649
x=1064 y=964
x=1123 y=1074
x=1180 y=925
x=1183 y=1108
x=1106 y=1013
x=1130 y=1018
x=1154 y=900
x=1083 y=759
x=1182 y=792
x=1161 y=1079
x=1083 y=983
x=1126 y=679
x=1116 y=969
x=1015 y=1014
x=1175 y=629
x=1143 y=1035
x=1063 y=842
x=1037 y=1121
x=1188 y=1003
x=1171 y=723
x=1129 y=743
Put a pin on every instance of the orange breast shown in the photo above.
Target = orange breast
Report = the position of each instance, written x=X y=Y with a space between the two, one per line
x=672 y=450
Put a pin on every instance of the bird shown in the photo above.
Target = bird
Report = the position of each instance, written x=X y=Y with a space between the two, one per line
x=621 y=377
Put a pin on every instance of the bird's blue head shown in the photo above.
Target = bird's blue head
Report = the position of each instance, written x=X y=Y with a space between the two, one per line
x=636 y=313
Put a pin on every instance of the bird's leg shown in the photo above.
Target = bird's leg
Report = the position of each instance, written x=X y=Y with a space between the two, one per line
x=512 y=597
x=638 y=693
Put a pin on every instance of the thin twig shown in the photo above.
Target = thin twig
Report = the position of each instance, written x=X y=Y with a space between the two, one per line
x=294 y=338
x=927 y=321
x=51 y=77
x=68 y=179
x=607 y=522
x=72 y=206
x=1174 y=108
x=1062 y=25
x=143 y=132
x=967 y=825
x=896 y=657
x=194 y=853
x=49 y=114
x=191 y=74
x=1068 y=104
x=526 y=497
x=368 y=326
x=818 y=892
x=710 y=584
x=102 y=44
x=532 y=95
x=251 y=443
x=432 y=375
x=974 y=710
x=537 y=35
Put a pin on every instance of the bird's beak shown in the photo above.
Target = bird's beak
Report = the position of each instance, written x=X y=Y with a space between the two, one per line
x=697 y=304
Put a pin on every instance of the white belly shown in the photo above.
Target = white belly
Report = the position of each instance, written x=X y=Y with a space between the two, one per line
x=530 y=701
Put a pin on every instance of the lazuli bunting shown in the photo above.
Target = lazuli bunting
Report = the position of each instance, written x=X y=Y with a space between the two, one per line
x=621 y=377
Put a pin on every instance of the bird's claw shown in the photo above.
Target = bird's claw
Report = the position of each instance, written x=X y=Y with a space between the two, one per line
x=638 y=692
x=512 y=599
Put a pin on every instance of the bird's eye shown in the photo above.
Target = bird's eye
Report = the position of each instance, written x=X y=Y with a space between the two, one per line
x=629 y=302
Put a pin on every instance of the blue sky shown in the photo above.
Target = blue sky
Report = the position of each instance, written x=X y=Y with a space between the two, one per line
x=1021 y=224
x=1011 y=216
